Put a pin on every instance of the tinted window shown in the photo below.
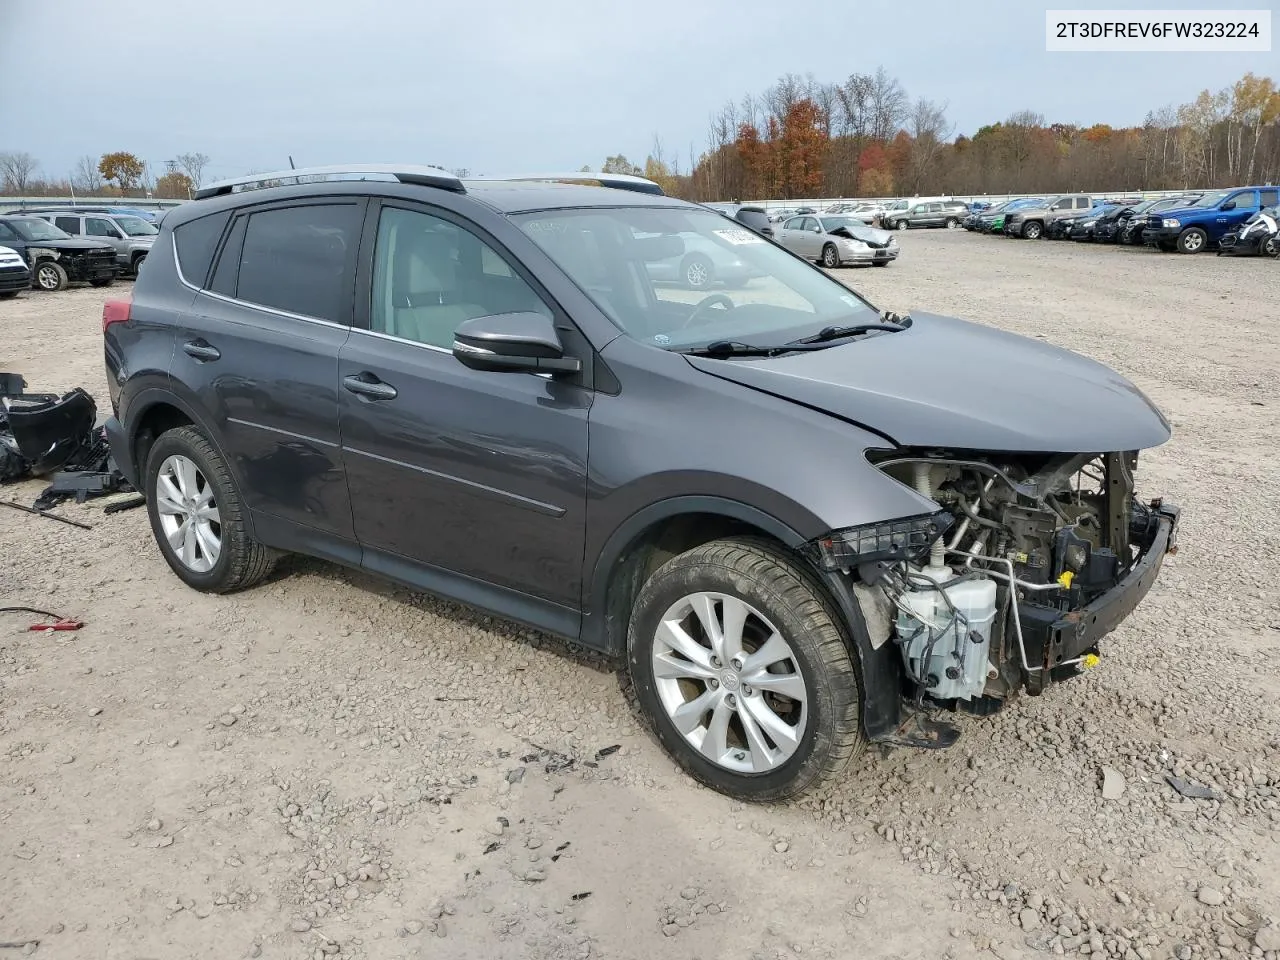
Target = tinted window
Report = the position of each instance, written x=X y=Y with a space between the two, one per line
x=196 y=242
x=429 y=275
x=1083 y=203
x=224 y=274
x=6 y=232
x=97 y=227
x=1270 y=197
x=299 y=259
x=69 y=224
x=753 y=219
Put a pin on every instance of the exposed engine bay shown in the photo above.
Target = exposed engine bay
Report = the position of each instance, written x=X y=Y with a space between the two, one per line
x=1034 y=559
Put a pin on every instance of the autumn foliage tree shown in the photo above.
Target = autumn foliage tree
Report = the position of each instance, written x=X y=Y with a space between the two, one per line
x=123 y=168
x=174 y=185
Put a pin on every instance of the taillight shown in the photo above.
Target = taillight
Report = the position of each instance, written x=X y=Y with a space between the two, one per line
x=115 y=311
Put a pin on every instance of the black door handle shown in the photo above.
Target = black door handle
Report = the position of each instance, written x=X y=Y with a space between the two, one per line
x=367 y=385
x=201 y=350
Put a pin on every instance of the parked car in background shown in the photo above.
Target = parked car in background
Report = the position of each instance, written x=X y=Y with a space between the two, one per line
x=758 y=503
x=701 y=264
x=933 y=213
x=15 y=276
x=1060 y=228
x=1199 y=226
x=837 y=240
x=755 y=218
x=56 y=258
x=130 y=236
x=1258 y=236
x=1081 y=226
x=992 y=221
x=1129 y=226
x=781 y=213
x=1030 y=222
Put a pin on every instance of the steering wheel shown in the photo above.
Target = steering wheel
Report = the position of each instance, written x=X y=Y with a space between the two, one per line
x=708 y=303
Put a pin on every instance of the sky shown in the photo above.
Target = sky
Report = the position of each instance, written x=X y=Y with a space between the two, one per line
x=533 y=86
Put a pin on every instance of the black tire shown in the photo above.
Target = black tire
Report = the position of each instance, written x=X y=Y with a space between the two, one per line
x=697 y=272
x=881 y=263
x=1271 y=246
x=901 y=225
x=137 y=264
x=1192 y=240
x=1032 y=230
x=830 y=256
x=102 y=282
x=8 y=294
x=951 y=223
x=765 y=578
x=49 y=276
x=242 y=560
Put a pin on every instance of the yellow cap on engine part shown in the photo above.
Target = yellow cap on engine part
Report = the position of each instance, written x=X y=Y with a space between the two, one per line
x=1090 y=660
x=1065 y=579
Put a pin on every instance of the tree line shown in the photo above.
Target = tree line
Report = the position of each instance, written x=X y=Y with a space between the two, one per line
x=116 y=174
x=866 y=136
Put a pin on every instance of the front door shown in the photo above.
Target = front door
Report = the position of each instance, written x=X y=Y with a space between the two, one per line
x=473 y=476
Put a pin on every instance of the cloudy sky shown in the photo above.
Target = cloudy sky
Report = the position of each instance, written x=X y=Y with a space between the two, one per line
x=506 y=86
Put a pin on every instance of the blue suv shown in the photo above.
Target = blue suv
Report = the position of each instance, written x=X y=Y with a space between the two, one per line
x=1194 y=228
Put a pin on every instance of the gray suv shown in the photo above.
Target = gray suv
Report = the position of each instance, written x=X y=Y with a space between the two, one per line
x=131 y=237
x=1032 y=222
x=785 y=510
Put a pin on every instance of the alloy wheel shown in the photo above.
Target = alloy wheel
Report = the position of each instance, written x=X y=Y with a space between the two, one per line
x=1192 y=242
x=47 y=277
x=729 y=682
x=696 y=274
x=189 y=514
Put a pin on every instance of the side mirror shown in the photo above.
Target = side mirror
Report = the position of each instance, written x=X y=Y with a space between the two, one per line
x=512 y=342
x=1229 y=205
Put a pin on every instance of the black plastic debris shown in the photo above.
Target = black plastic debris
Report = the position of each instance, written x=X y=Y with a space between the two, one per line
x=608 y=751
x=581 y=896
x=1192 y=791
x=49 y=431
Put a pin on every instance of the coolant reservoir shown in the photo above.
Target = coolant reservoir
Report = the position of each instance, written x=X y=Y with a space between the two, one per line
x=957 y=666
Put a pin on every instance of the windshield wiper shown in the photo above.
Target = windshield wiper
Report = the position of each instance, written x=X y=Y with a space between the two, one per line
x=827 y=334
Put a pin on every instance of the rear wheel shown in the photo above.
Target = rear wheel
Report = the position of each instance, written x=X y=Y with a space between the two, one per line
x=1271 y=246
x=952 y=223
x=197 y=516
x=830 y=256
x=1192 y=240
x=50 y=277
x=739 y=664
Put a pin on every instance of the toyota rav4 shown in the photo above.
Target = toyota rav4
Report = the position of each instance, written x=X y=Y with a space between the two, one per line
x=804 y=523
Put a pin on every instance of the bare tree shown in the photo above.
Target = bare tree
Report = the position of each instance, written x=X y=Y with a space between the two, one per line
x=16 y=168
x=929 y=130
x=888 y=103
x=461 y=172
x=193 y=165
x=85 y=177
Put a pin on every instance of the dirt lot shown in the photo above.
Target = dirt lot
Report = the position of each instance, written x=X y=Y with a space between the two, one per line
x=330 y=766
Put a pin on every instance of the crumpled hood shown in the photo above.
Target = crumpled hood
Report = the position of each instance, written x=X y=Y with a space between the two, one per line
x=950 y=383
x=73 y=243
x=873 y=235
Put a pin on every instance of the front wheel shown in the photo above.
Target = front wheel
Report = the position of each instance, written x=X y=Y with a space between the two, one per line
x=1192 y=240
x=102 y=282
x=8 y=294
x=738 y=662
x=197 y=516
x=50 y=277
x=901 y=225
x=1032 y=230
x=830 y=256
x=952 y=223
x=697 y=273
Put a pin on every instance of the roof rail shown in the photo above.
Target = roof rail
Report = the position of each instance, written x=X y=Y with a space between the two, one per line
x=387 y=172
x=618 y=181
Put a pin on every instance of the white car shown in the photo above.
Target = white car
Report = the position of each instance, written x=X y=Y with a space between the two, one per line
x=15 y=276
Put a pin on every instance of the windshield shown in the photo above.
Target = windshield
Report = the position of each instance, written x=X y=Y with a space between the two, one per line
x=678 y=278
x=34 y=230
x=835 y=223
x=1210 y=199
x=135 y=227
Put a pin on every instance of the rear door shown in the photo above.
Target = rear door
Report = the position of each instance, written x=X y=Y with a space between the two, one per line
x=455 y=471
x=258 y=350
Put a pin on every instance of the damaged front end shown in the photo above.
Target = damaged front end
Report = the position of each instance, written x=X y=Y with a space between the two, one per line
x=1029 y=561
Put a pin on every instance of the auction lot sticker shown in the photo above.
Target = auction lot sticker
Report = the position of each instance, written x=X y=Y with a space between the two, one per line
x=1167 y=31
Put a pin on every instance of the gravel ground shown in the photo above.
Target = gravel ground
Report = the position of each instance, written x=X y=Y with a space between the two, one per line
x=330 y=766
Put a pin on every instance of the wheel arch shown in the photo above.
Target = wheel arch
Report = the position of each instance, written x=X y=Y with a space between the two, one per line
x=666 y=528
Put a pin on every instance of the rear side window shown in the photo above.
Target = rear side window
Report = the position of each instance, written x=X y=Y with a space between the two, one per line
x=300 y=259
x=1083 y=203
x=196 y=241
x=1270 y=197
x=69 y=224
